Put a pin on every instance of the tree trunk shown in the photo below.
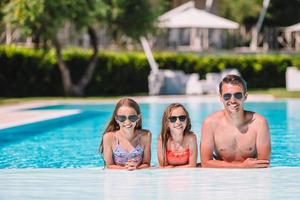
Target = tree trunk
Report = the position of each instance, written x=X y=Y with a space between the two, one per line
x=65 y=73
x=69 y=88
x=78 y=89
x=256 y=29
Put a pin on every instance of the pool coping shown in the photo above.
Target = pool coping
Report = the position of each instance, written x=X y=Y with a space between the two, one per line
x=204 y=183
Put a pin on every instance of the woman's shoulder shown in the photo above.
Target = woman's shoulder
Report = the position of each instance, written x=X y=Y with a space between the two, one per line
x=145 y=133
x=109 y=136
x=190 y=136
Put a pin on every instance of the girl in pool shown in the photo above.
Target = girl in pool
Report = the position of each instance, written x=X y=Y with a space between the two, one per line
x=125 y=145
x=176 y=145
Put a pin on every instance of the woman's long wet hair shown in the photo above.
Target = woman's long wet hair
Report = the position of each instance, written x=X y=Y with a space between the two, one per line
x=165 y=133
x=113 y=125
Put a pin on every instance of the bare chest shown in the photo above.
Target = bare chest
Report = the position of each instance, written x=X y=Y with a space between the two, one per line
x=232 y=144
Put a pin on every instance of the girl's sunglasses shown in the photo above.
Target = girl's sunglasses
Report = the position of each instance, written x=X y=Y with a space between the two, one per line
x=181 y=118
x=122 y=118
x=237 y=95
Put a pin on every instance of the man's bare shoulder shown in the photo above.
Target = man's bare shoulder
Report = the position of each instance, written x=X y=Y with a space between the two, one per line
x=259 y=119
x=214 y=118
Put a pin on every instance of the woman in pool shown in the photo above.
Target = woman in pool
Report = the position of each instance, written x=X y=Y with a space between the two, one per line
x=125 y=145
x=176 y=145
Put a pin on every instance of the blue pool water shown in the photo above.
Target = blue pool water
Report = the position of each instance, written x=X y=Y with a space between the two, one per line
x=72 y=142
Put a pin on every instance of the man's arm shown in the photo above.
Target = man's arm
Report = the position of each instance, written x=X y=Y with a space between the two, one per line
x=263 y=139
x=207 y=145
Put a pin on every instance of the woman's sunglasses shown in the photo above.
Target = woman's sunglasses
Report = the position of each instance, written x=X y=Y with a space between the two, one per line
x=122 y=118
x=237 y=95
x=181 y=118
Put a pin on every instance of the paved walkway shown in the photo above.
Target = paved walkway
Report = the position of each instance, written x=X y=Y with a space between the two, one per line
x=20 y=114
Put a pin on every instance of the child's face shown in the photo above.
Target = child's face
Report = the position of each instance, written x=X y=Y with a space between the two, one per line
x=127 y=118
x=177 y=120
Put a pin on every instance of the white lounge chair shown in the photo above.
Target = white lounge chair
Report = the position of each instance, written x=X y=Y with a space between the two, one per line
x=292 y=77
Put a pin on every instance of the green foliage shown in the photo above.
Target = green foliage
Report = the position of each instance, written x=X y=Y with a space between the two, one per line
x=296 y=62
x=134 y=18
x=241 y=11
x=45 y=17
x=283 y=13
x=279 y=13
x=28 y=72
x=120 y=74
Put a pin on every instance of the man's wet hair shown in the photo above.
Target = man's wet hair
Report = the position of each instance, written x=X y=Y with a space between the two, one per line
x=234 y=80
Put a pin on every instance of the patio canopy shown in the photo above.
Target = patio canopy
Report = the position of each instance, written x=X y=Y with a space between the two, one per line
x=293 y=28
x=187 y=16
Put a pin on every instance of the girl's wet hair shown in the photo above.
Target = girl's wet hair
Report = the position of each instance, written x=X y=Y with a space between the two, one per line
x=113 y=125
x=165 y=133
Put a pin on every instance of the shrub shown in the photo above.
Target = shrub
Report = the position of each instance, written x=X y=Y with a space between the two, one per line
x=28 y=72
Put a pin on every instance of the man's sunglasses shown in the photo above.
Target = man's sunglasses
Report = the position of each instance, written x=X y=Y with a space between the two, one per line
x=181 y=118
x=237 y=95
x=122 y=118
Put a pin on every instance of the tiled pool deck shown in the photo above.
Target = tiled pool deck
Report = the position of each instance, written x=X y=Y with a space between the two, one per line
x=96 y=183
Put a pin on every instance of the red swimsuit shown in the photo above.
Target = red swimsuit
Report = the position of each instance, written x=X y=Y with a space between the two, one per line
x=178 y=157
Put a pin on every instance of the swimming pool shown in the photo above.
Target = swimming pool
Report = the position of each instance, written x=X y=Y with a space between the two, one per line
x=72 y=141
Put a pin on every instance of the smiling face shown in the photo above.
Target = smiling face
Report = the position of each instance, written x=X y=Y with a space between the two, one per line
x=233 y=97
x=180 y=124
x=127 y=118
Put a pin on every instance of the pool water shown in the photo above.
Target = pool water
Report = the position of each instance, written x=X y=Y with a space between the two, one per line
x=73 y=141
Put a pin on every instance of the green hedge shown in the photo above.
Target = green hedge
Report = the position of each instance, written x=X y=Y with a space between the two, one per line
x=28 y=72
x=260 y=71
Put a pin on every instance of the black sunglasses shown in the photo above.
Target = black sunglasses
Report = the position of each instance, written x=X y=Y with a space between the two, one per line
x=122 y=118
x=181 y=118
x=237 y=95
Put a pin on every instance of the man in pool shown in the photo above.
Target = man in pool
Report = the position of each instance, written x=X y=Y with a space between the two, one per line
x=234 y=137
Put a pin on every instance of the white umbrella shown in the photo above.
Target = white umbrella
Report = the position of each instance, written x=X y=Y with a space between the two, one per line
x=187 y=16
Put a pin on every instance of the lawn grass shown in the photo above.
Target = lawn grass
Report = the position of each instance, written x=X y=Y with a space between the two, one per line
x=279 y=93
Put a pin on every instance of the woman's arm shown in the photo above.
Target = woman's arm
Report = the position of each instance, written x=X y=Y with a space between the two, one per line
x=160 y=154
x=116 y=167
x=108 y=139
x=147 y=138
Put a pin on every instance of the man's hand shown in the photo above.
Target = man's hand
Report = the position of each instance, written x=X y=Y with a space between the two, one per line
x=254 y=163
